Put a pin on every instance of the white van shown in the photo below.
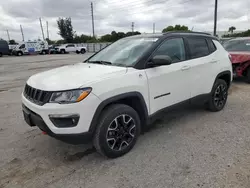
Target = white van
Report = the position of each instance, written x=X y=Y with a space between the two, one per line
x=31 y=47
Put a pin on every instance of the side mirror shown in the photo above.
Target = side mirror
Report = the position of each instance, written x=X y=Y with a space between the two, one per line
x=160 y=60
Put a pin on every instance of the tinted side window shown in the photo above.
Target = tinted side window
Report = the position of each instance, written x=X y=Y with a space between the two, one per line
x=198 y=47
x=22 y=46
x=174 y=48
x=70 y=45
x=211 y=45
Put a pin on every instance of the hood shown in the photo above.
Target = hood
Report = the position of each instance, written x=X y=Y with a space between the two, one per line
x=73 y=76
x=240 y=57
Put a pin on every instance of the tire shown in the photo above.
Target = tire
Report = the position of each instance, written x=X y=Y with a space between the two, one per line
x=218 y=97
x=62 y=51
x=248 y=75
x=120 y=124
x=77 y=52
x=43 y=52
x=1 y=54
x=19 y=53
x=83 y=51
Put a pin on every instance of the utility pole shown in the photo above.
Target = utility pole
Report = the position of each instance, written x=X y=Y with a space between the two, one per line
x=8 y=34
x=132 y=26
x=41 y=27
x=22 y=31
x=215 y=17
x=92 y=16
x=47 y=24
x=153 y=27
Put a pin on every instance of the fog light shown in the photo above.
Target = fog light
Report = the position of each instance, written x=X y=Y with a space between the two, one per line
x=65 y=121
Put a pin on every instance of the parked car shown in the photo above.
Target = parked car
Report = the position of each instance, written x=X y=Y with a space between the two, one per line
x=4 y=48
x=67 y=48
x=239 y=49
x=53 y=49
x=223 y=40
x=31 y=47
x=118 y=92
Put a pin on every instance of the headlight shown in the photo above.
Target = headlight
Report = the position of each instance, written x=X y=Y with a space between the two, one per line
x=71 y=96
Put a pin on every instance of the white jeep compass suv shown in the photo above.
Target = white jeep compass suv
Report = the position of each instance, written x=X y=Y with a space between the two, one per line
x=114 y=95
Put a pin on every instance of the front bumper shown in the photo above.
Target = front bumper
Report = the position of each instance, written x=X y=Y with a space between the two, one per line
x=36 y=115
x=34 y=119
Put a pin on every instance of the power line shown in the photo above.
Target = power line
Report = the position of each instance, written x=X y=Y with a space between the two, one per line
x=151 y=3
x=154 y=8
x=130 y=5
x=133 y=7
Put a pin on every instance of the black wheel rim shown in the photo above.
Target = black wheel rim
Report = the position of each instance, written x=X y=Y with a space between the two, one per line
x=121 y=132
x=220 y=96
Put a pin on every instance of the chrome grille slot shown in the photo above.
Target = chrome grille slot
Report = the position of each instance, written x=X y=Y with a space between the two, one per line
x=36 y=96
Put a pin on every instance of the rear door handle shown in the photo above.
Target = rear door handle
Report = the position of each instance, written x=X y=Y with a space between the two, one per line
x=186 y=67
x=213 y=61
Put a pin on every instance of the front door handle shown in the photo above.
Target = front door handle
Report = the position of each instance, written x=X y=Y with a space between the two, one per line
x=186 y=67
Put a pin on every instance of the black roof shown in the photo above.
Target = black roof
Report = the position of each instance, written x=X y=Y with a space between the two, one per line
x=176 y=33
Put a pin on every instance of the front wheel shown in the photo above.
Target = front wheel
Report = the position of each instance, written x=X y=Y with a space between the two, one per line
x=19 y=53
x=218 y=96
x=117 y=131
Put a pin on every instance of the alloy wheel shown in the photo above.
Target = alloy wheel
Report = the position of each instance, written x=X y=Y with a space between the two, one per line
x=121 y=132
x=220 y=95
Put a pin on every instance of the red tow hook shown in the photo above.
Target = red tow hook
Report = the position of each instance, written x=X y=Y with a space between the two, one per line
x=44 y=133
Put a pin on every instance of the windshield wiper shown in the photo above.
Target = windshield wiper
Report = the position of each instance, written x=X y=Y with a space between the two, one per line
x=101 y=62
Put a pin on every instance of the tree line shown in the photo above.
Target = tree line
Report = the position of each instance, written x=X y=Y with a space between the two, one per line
x=68 y=34
x=240 y=34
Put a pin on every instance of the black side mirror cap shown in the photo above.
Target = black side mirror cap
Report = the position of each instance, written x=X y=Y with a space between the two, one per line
x=160 y=60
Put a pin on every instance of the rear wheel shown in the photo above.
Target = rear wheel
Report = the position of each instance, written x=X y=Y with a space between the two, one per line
x=62 y=51
x=43 y=52
x=77 y=52
x=1 y=54
x=248 y=75
x=83 y=51
x=117 y=131
x=218 y=96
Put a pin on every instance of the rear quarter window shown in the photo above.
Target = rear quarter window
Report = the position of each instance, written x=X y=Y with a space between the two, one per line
x=198 y=47
x=211 y=45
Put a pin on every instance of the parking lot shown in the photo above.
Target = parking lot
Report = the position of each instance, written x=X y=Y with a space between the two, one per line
x=186 y=149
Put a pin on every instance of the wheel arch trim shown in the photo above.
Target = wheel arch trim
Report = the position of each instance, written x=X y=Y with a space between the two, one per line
x=114 y=99
x=224 y=73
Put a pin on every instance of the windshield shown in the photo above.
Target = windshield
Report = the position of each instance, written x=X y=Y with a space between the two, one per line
x=125 y=52
x=237 y=45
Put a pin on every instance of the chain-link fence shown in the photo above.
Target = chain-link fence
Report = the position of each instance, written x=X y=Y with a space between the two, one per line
x=94 y=47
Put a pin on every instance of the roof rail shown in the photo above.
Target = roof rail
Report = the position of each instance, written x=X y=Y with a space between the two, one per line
x=195 y=32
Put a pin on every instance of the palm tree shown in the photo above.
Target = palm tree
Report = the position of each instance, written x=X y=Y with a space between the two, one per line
x=231 y=29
